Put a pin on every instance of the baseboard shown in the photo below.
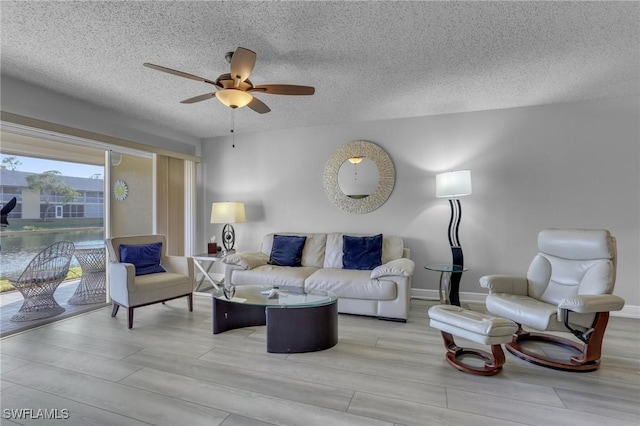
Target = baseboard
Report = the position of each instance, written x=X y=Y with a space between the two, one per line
x=628 y=311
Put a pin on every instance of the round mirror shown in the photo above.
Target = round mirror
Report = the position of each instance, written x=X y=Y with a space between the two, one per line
x=359 y=177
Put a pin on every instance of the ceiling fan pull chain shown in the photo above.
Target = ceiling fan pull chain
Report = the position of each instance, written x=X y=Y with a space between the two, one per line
x=233 y=126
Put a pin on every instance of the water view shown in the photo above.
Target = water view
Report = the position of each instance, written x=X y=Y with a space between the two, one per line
x=17 y=249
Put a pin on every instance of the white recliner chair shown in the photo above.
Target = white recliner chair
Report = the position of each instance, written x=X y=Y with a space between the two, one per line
x=568 y=288
x=135 y=279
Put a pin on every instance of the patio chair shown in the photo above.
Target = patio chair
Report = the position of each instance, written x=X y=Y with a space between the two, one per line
x=40 y=280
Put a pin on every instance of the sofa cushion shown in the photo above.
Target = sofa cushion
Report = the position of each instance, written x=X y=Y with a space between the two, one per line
x=312 y=253
x=363 y=253
x=168 y=279
x=145 y=257
x=246 y=260
x=151 y=288
x=287 y=250
x=351 y=283
x=273 y=275
x=392 y=249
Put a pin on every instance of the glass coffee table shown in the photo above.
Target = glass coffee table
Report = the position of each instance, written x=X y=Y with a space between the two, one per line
x=297 y=320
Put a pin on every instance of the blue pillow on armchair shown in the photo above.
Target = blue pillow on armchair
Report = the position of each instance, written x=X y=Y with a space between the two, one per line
x=287 y=250
x=363 y=253
x=145 y=257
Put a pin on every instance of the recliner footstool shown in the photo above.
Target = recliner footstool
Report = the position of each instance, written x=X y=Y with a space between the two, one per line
x=480 y=328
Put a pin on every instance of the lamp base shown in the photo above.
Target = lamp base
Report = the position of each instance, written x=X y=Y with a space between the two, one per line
x=456 y=251
x=454 y=283
x=228 y=237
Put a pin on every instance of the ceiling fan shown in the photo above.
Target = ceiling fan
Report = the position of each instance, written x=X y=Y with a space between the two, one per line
x=234 y=89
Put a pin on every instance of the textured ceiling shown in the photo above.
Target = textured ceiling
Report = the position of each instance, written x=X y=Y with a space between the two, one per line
x=367 y=60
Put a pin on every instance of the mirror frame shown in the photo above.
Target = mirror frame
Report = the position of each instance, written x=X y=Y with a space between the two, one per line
x=386 y=181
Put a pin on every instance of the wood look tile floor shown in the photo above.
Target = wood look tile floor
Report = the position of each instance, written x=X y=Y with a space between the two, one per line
x=171 y=370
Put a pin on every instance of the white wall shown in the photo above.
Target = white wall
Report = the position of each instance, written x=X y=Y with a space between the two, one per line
x=21 y=98
x=134 y=214
x=566 y=165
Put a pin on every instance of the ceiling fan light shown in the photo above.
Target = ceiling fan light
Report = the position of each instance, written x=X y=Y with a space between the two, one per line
x=234 y=98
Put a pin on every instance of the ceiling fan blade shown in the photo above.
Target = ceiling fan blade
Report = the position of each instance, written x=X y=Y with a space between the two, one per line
x=198 y=98
x=179 y=73
x=258 y=106
x=284 y=89
x=242 y=63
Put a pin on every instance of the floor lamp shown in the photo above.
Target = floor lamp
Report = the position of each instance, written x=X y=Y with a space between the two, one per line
x=452 y=185
x=228 y=213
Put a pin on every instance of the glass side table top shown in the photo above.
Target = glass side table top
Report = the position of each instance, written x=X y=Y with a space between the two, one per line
x=209 y=256
x=446 y=267
x=282 y=297
x=449 y=282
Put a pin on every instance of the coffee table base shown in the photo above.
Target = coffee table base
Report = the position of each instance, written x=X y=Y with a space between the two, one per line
x=229 y=315
x=295 y=330
x=289 y=330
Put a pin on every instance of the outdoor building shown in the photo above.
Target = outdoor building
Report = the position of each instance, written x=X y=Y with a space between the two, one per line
x=31 y=205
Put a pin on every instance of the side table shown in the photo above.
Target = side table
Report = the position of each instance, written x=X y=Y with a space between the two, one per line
x=210 y=259
x=92 y=287
x=449 y=295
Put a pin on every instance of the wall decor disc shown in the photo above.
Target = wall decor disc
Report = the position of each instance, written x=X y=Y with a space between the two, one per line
x=386 y=181
x=120 y=190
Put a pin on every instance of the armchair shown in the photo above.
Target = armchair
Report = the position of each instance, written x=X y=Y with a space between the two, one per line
x=568 y=288
x=141 y=273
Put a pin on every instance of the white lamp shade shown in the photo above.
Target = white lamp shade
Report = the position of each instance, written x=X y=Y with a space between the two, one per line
x=228 y=212
x=453 y=184
x=234 y=98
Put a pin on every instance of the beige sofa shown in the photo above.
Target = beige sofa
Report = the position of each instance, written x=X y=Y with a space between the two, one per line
x=383 y=292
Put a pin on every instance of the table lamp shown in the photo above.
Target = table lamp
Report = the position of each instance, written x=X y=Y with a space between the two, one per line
x=452 y=185
x=228 y=213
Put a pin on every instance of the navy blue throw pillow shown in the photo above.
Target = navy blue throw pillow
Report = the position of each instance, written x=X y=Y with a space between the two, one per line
x=287 y=250
x=364 y=253
x=145 y=257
